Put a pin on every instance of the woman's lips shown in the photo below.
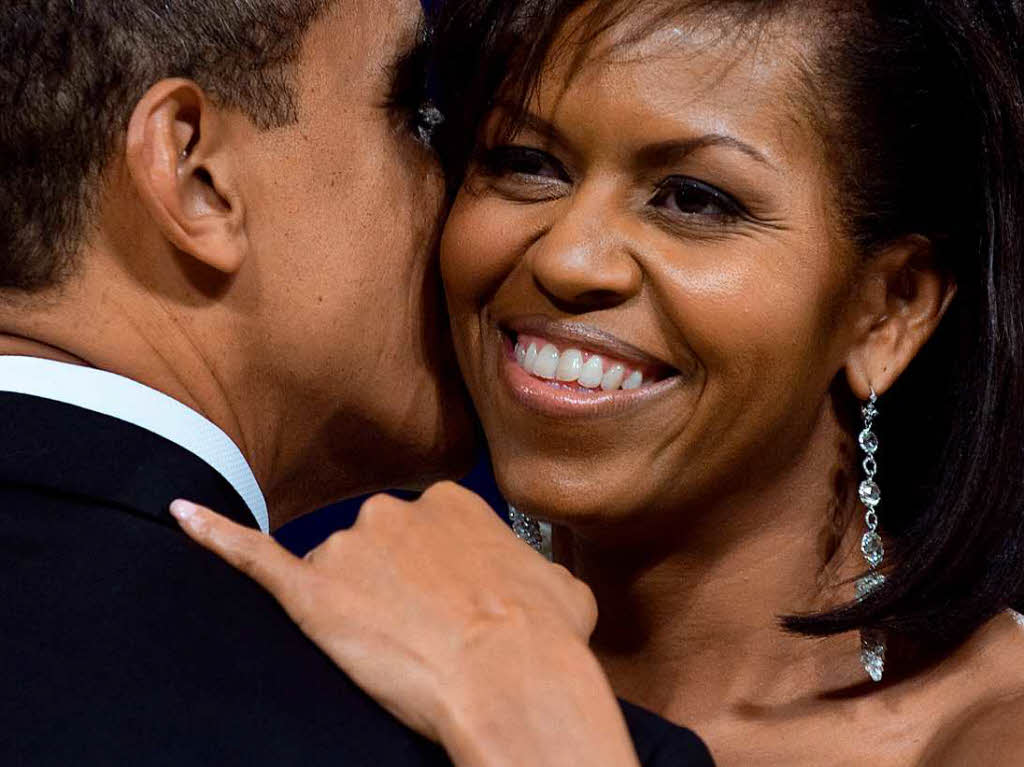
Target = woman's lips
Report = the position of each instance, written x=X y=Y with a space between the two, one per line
x=572 y=382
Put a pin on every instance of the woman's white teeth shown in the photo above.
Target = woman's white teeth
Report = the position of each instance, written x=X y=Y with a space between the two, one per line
x=547 y=362
x=569 y=366
x=530 y=358
x=592 y=373
x=633 y=381
x=613 y=379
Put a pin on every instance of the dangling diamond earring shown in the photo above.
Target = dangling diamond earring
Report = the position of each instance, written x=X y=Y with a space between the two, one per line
x=872 y=641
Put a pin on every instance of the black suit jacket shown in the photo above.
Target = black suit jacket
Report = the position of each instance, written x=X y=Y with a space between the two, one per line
x=123 y=643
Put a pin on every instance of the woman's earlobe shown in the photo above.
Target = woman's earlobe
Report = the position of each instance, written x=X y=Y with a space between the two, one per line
x=907 y=297
x=184 y=174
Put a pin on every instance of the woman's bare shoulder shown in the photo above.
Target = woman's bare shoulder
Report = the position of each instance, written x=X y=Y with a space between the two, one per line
x=990 y=734
x=984 y=695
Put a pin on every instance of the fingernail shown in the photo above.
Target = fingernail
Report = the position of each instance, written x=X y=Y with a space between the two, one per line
x=183 y=510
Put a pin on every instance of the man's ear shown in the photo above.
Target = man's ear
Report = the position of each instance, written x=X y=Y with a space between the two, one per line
x=177 y=155
x=903 y=296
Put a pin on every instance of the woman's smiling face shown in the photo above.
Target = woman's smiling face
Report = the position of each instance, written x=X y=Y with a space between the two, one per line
x=647 y=282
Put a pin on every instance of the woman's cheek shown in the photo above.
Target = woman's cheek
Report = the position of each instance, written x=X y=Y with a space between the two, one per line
x=747 y=326
x=477 y=248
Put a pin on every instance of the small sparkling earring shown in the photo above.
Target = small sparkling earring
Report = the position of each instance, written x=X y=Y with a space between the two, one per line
x=872 y=641
x=525 y=527
x=530 y=531
x=429 y=118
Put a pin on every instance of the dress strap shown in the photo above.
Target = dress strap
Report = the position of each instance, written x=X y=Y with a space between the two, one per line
x=1017 y=617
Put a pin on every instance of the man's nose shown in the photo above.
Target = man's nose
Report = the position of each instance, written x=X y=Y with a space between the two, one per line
x=584 y=261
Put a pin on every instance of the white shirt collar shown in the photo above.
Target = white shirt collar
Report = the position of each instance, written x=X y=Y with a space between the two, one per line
x=119 y=397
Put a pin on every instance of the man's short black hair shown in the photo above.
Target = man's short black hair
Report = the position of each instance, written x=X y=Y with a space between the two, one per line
x=71 y=72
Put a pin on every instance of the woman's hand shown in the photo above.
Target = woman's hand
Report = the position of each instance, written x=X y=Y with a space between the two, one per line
x=463 y=632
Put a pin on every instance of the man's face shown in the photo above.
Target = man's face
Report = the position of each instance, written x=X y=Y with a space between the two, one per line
x=343 y=214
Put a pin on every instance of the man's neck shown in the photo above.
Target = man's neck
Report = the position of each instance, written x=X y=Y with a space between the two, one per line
x=28 y=347
x=131 y=333
x=138 y=335
x=151 y=350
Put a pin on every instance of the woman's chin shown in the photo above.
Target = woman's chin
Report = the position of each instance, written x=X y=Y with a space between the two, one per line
x=569 y=505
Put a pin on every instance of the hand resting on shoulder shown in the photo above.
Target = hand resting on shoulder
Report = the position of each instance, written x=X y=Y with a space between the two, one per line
x=461 y=631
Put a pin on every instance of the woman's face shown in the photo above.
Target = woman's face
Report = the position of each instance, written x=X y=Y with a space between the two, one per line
x=647 y=288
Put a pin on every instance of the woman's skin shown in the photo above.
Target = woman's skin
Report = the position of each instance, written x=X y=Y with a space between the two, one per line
x=701 y=508
x=702 y=512
x=671 y=205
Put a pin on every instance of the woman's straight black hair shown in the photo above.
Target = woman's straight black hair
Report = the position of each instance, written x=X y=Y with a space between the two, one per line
x=922 y=105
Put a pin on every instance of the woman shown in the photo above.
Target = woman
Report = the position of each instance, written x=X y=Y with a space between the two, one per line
x=736 y=290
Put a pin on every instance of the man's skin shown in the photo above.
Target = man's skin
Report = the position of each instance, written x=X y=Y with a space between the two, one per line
x=282 y=283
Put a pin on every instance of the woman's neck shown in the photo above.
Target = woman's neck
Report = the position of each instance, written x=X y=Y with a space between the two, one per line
x=704 y=616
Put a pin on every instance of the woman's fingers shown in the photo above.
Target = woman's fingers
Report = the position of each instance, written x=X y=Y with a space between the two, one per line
x=421 y=603
x=257 y=555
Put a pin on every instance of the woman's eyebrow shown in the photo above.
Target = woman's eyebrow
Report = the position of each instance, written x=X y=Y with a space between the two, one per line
x=540 y=126
x=673 y=151
x=659 y=154
x=521 y=119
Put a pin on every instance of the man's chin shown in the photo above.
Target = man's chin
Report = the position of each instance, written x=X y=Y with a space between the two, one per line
x=453 y=450
x=405 y=443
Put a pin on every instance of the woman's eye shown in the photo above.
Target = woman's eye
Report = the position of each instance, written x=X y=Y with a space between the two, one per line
x=690 y=197
x=521 y=161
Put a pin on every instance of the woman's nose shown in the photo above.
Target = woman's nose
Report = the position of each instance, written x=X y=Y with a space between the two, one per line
x=583 y=263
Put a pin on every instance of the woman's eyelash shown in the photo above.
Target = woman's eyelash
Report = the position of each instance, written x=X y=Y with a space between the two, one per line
x=690 y=196
x=519 y=160
x=677 y=195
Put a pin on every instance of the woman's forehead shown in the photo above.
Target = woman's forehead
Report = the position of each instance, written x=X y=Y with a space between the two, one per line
x=685 y=47
x=700 y=77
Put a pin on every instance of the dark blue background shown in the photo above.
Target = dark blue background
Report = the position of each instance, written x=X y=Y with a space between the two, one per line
x=308 y=531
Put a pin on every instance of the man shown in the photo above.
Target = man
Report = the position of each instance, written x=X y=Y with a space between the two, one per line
x=217 y=222
x=225 y=202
